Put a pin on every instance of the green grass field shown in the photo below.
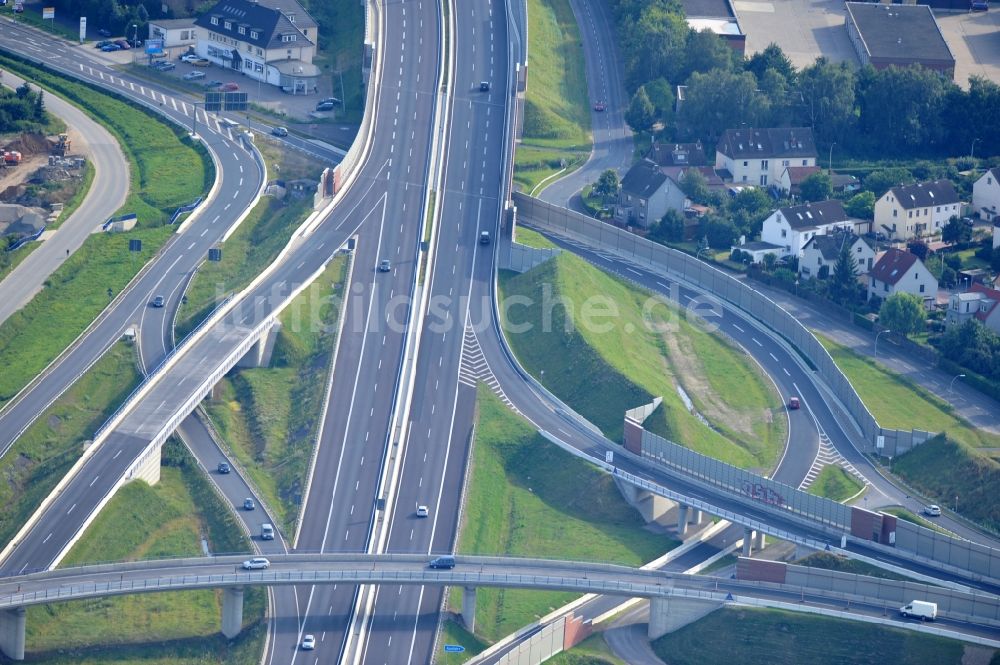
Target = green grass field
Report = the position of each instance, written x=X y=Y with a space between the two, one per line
x=637 y=347
x=253 y=247
x=786 y=638
x=529 y=498
x=898 y=402
x=167 y=171
x=906 y=515
x=591 y=651
x=526 y=236
x=835 y=483
x=268 y=416
x=144 y=522
x=556 y=108
x=46 y=451
x=453 y=633
x=843 y=564
x=9 y=261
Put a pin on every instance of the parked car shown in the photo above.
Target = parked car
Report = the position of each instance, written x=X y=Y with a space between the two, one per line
x=325 y=106
x=102 y=43
x=192 y=76
x=158 y=301
x=123 y=44
x=793 y=403
x=109 y=48
x=190 y=57
x=230 y=87
x=164 y=66
x=200 y=62
x=279 y=131
x=256 y=563
x=330 y=100
x=223 y=467
x=308 y=643
x=979 y=6
x=422 y=511
x=932 y=510
x=213 y=84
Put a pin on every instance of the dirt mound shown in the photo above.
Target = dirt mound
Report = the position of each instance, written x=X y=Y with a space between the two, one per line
x=30 y=144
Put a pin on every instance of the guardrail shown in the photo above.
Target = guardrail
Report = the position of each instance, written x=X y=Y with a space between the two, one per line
x=25 y=240
x=184 y=209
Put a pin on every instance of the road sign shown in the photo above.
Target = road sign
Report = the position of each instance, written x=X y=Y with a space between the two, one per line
x=454 y=648
x=49 y=13
x=83 y=28
x=214 y=254
x=134 y=245
x=225 y=101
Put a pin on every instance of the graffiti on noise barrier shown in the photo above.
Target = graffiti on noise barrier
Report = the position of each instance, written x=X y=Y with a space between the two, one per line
x=760 y=492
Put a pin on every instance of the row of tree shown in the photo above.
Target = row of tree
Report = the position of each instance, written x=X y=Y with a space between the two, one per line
x=21 y=110
x=974 y=346
x=895 y=112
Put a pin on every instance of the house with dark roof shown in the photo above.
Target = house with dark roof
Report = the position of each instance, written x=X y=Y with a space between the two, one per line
x=823 y=252
x=272 y=41
x=792 y=227
x=897 y=271
x=677 y=154
x=759 y=156
x=884 y=35
x=646 y=195
x=916 y=210
x=979 y=302
x=986 y=195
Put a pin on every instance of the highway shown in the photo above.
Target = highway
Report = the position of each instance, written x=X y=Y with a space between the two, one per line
x=405 y=571
x=107 y=193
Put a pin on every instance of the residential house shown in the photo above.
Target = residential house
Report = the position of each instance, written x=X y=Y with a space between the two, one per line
x=646 y=194
x=757 y=249
x=175 y=32
x=897 y=271
x=824 y=250
x=916 y=210
x=980 y=302
x=844 y=183
x=792 y=227
x=791 y=179
x=986 y=195
x=677 y=154
x=271 y=41
x=760 y=156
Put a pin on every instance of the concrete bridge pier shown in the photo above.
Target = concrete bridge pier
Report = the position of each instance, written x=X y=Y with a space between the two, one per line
x=667 y=614
x=697 y=517
x=652 y=507
x=12 y=633
x=747 y=541
x=232 y=611
x=469 y=608
x=682 y=519
x=259 y=354
x=759 y=540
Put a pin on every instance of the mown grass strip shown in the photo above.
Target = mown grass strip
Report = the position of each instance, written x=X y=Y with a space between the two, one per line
x=268 y=417
x=527 y=497
x=46 y=451
x=167 y=170
x=591 y=651
x=143 y=522
x=835 y=483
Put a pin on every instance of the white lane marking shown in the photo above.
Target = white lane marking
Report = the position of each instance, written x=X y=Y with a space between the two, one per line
x=756 y=342
x=738 y=328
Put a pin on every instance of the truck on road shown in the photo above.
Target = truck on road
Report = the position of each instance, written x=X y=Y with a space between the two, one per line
x=919 y=609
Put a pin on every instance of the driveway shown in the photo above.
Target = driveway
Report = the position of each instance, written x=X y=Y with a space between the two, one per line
x=972 y=38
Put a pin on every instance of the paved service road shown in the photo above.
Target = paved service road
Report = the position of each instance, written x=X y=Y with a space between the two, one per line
x=107 y=194
x=612 y=136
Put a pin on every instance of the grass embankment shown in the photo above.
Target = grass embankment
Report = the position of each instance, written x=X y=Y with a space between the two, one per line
x=605 y=346
x=254 y=245
x=453 y=633
x=556 y=107
x=529 y=498
x=907 y=516
x=844 y=564
x=787 y=638
x=835 y=483
x=268 y=416
x=9 y=261
x=945 y=467
x=591 y=651
x=166 y=171
x=179 y=628
x=46 y=451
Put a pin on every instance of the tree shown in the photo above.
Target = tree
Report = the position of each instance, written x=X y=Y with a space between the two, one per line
x=861 y=205
x=879 y=181
x=661 y=94
x=718 y=231
x=956 y=231
x=816 y=187
x=641 y=113
x=918 y=248
x=771 y=58
x=827 y=100
x=769 y=261
x=39 y=110
x=607 y=185
x=670 y=228
x=694 y=185
x=948 y=277
x=902 y=313
x=720 y=99
x=653 y=37
x=844 y=285
x=705 y=51
x=901 y=109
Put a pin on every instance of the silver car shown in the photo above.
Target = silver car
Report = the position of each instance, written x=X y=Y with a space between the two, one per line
x=256 y=563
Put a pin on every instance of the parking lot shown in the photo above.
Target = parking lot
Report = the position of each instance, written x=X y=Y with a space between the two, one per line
x=807 y=30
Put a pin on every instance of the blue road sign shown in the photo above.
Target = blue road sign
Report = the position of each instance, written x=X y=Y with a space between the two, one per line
x=454 y=648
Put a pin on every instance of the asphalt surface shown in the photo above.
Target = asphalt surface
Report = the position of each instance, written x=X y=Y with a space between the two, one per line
x=613 y=145
x=107 y=193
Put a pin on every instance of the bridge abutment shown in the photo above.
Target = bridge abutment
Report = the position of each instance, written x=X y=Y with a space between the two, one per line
x=259 y=354
x=12 y=633
x=148 y=468
x=232 y=611
x=469 y=608
x=652 y=507
x=667 y=614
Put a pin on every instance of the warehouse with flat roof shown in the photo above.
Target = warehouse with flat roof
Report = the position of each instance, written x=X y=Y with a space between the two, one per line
x=719 y=16
x=900 y=35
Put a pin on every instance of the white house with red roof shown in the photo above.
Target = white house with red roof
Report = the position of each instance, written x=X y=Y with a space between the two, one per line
x=902 y=272
x=979 y=302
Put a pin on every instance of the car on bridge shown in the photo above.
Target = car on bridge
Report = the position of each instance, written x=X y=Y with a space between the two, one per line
x=256 y=563
x=484 y=238
x=484 y=86
x=446 y=562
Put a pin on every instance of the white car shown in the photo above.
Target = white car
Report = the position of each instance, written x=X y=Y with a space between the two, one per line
x=190 y=57
x=308 y=643
x=191 y=76
x=256 y=563
x=422 y=511
x=932 y=510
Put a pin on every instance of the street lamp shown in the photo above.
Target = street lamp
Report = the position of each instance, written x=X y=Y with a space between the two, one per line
x=875 y=355
x=830 y=159
x=972 y=149
x=952 y=384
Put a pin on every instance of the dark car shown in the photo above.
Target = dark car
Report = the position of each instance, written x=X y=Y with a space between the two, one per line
x=330 y=100
x=484 y=86
x=384 y=266
x=158 y=301
x=102 y=43
x=164 y=66
x=793 y=403
x=325 y=106
x=223 y=467
x=446 y=562
x=213 y=84
x=108 y=48
x=979 y=6
x=484 y=238
x=280 y=131
x=123 y=44
x=600 y=106
x=248 y=504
